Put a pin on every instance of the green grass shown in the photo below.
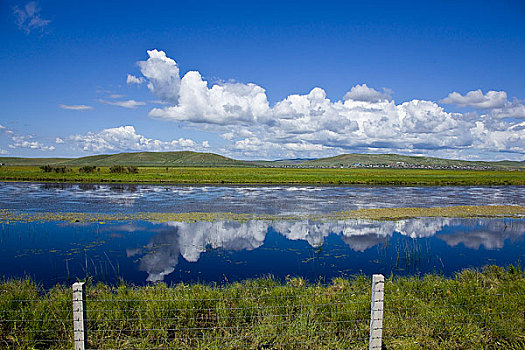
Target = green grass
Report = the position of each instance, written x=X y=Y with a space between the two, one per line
x=243 y=175
x=473 y=310
x=380 y=214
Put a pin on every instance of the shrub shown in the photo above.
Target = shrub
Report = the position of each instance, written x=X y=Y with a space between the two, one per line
x=56 y=169
x=133 y=169
x=87 y=169
x=47 y=168
x=119 y=169
x=61 y=170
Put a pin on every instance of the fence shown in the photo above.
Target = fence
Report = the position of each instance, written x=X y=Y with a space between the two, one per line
x=469 y=312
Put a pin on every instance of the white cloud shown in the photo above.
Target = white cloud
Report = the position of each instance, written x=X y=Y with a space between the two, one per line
x=312 y=125
x=28 y=18
x=125 y=138
x=515 y=109
x=3 y=151
x=25 y=141
x=75 y=107
x=131 y=104
x=17 y=141
x=162 y=74
x=476 y=99
x=131 y=79
x=59 y=140
x=221 y=104
x=364 y=93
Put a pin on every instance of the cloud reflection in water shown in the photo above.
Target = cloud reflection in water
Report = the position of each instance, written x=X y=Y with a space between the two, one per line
x=190 y=240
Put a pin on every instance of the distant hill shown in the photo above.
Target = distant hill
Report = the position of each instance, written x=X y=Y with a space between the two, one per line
x=184 y=158
x=136 y=159
x=401 y=161
x=188 y=159
x=32 y=161
x=280 y=162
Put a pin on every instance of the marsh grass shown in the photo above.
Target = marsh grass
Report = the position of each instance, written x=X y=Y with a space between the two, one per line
x=470 y=311
x=378 y=214
x=291 y=176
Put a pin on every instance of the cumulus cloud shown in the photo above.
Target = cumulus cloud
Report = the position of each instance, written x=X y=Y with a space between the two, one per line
x=125 y=138
x=75 y=107
x=312 y=125
x=162 y=74
x=131 y=79
x=26 y=141
x=221 y=104
x=476 y=99
x=17 y=141
x=28 y=18
x=364 y=93
x=131 y=104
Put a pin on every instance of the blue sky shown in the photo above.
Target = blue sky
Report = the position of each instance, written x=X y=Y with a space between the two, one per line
x=263 y=80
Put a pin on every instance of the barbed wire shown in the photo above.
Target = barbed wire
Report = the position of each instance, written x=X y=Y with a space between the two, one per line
x=324 y=294
x=272 y=325
x=290 y=306
x=220 y=317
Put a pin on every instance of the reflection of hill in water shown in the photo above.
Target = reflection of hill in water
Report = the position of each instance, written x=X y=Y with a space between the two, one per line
x=190 y=240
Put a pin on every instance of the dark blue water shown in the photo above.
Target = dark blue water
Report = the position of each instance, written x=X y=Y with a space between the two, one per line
x=221 y=251
x=142 y=252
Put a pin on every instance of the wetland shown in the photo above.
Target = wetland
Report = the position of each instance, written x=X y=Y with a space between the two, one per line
x=58 y=233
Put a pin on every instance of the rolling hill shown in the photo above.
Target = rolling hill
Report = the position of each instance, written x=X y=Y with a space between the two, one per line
x=196 y=159
x=162 y=159
x=32 y=161
x=401 y=161
x=184 y=158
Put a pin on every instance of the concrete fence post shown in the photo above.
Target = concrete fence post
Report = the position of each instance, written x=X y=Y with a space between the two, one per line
x=79 y=315
x=376 y=312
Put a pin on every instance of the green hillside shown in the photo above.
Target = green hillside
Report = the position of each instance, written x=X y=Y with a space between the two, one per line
x=32 y=161
x=196 y=159
x=400 y=161
x=163 y=159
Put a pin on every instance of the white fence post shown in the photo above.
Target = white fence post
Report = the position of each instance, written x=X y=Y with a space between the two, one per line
x=79 y=315
x=376 y=312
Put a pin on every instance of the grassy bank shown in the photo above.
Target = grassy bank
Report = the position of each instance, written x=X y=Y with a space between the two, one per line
x=238 y=175
x=382 y=214
x=470 y=311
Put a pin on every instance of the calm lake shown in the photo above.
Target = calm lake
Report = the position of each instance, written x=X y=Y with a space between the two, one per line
x=221 y=251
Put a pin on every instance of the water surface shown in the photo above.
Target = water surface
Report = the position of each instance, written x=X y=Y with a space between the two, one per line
x=223 y=251
x=274 y=200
